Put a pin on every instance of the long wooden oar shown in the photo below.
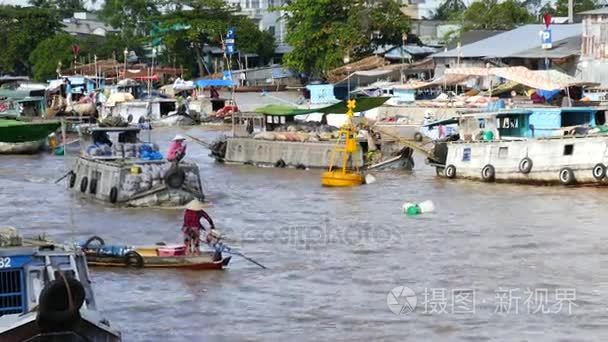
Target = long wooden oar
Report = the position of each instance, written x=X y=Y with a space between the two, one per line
x=63 y=177
x=223 y=248
x=200 y=141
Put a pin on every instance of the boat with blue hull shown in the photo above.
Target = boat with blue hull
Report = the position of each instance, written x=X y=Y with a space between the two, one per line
x=46 y=294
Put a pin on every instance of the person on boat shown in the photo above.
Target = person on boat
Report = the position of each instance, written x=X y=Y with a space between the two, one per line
x=177 y=149
x=214 y=93
x=192 y=226
x=101 y=138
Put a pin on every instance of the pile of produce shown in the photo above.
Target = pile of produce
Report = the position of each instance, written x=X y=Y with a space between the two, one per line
x=151 y=176
x=301 y=131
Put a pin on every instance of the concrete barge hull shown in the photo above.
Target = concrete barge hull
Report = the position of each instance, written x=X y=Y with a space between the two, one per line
x=567 y=161
x=268 y=153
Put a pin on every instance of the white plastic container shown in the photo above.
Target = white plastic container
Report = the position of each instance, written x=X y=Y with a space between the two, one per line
x=426 y=206
x=369 y=179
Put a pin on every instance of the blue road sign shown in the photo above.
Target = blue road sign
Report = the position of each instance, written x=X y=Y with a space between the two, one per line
x=546 y=39
x=230 y=49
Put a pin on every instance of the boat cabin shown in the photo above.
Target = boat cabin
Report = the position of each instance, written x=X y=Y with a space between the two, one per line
x=112 y=143
x=551 y=122
x=21 y=104
x=495 y=125
x=247 y=123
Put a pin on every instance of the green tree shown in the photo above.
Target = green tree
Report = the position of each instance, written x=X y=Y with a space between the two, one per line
x=561 y=6
x=21 y=29
x=322 y=32
x=251 y=40
x=199 y=23
x=449 y=9
x=132 y=17
x=494 y=15
x=65 y=7
x=49 y=53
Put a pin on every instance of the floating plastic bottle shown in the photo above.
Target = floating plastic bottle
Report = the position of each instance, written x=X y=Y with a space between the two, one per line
x=369 y=179
x=413 y=209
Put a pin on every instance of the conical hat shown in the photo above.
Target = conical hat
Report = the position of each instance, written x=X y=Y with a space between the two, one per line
x=195 y=205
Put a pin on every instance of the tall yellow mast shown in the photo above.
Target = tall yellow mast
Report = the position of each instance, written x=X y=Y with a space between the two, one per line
x=347 y=145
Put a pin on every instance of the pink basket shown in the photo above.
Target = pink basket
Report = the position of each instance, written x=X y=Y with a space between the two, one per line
x=169 y=251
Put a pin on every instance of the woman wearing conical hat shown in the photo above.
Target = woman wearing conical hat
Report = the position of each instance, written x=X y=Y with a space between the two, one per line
x=192 y=225
x=177 y=149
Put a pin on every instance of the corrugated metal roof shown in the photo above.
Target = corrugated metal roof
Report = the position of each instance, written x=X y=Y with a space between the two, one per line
x=512 y=42
x=405 y=51
x=473 y=36
x=561 y=49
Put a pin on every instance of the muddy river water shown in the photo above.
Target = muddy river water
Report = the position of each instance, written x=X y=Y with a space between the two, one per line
x=493 y=262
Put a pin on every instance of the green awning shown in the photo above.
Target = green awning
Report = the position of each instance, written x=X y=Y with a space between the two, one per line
x=363 y=104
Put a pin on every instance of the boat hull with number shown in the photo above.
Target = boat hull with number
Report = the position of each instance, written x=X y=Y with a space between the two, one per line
x=35 y=306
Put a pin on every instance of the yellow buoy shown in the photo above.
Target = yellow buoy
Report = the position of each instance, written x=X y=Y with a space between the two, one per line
x=347 y=145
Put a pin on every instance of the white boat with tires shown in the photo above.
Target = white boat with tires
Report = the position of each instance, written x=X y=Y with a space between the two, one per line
x=499 y=147
x=116 y=167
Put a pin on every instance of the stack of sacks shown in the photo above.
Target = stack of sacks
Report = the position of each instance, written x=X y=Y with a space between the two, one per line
x=131 y=184
x=192 y=180
x=147 y=152
x=99 y=150
x=130 y=150
x=118 y=150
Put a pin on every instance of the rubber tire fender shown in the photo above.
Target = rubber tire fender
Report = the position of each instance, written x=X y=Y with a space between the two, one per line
x=525 y=165
x=54 y=312
x=113 y=195
x=93 y=186
x=566 y=176
x=599 y=171
x=450 y=171
x=83 y=184
x=72 y=179
x=280 y=163
x=488 y=173
x=93 y=238
x=134 y=259
x=175 y=177
x=418 y=137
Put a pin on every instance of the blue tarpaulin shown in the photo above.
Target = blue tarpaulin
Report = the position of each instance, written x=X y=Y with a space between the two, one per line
x=214 y=83
x=548 y=94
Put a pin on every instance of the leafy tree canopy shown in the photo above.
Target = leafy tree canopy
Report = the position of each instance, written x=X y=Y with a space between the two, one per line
x=449 y=8
x=322 y=32
x=561 y=7
x=205 y=22
x=132 y=17
x=65 y=7
x=21 y=29
x=495 y=15
x=49 y=53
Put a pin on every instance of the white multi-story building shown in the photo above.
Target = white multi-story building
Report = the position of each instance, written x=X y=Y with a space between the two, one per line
x=260 y=11
x=420 y=9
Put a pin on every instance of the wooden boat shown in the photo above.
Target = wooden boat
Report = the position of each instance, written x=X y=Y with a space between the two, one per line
x=158 y=256
x=18 y=137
